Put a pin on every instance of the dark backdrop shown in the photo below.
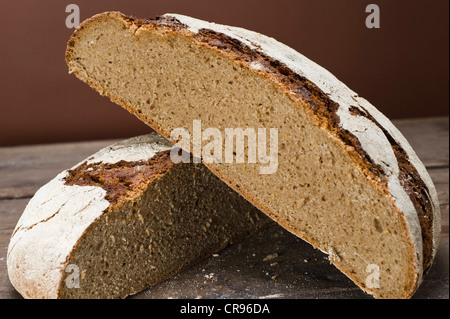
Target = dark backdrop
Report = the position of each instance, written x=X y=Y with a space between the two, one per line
x=402 y=68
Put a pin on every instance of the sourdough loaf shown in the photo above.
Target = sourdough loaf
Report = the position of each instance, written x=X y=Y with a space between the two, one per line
x=347 y=180
x=123 y=219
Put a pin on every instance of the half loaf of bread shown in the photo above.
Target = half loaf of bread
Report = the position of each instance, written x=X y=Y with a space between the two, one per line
x=125 y=218
x=346 y=179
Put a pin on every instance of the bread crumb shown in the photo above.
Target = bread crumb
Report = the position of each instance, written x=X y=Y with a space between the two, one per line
x=211 y=276
x=270 y=257
x=333 y=255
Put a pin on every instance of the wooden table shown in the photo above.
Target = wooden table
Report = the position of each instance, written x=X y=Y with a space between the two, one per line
x=241 y=270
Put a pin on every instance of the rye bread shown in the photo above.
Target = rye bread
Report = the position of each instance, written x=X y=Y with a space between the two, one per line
x=125 y=218
x=348 y=182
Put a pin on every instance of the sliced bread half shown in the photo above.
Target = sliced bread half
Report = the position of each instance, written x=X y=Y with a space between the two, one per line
x=346 y=179
x=125 y=218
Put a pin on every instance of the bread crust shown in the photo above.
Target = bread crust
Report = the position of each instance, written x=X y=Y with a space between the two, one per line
x=61 y=215
x=413 y=178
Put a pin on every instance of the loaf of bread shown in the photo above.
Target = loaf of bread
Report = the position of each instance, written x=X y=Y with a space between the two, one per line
x=346 y=179
x=125 y=218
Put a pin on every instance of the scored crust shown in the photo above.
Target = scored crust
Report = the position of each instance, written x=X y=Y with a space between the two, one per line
x=60 y=218
x=50 y=217
x=349 y=119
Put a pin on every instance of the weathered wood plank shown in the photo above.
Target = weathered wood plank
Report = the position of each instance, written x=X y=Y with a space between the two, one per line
x=301 y=272
x=10 y=211
x=24 y=169
x=440 y=178
x=429 y=137
x=239 y=271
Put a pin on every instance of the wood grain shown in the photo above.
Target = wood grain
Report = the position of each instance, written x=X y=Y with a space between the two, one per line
x=429 y=138
x=25 y=169
x=240 y=271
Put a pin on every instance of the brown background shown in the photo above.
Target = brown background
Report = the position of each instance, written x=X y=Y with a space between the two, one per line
x=401 y=68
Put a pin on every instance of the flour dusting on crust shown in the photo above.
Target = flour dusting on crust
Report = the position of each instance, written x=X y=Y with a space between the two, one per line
x=58 y=215
x=140 y=148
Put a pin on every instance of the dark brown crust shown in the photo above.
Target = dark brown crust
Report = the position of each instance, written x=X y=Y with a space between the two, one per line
x=123 y=179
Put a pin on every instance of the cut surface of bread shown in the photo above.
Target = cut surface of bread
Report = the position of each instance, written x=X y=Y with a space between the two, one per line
x=124 y=219
x=347 y=181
